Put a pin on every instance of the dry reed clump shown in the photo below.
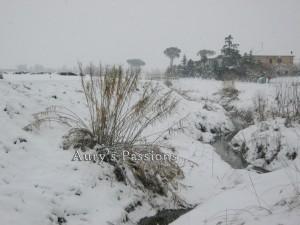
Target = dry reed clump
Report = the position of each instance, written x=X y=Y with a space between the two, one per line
x=118 y=114
x=157 y=175
x=288 y=101
x=260 y=106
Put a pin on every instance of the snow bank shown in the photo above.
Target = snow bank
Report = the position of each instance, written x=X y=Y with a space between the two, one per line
x=269 y=144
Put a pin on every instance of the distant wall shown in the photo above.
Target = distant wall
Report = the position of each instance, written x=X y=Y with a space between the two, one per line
x=273 y=60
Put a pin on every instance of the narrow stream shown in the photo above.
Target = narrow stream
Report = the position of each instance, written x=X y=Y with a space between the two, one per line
x=223 y=148
x=234 y=159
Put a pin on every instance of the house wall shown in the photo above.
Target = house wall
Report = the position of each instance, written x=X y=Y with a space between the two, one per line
x=271 y=60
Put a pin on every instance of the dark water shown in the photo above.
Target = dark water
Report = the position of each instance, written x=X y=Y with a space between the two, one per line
x=163 y=217
x=223 y=148
x=234 y=159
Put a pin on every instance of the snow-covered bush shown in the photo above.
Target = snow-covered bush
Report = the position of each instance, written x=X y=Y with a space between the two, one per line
x=268 y=144
x=245 y=116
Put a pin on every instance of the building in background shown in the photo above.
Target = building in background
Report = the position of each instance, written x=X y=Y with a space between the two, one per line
x=275 y=60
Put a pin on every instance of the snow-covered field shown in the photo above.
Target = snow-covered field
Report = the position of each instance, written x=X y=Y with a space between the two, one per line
x=40 y=184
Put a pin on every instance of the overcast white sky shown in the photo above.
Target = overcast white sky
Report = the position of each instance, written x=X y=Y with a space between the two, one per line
x=62 y=32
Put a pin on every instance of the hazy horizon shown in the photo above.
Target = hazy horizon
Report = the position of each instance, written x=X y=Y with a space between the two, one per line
x=56 y=33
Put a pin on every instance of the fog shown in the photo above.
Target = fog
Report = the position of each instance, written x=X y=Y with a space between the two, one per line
x=56 y=33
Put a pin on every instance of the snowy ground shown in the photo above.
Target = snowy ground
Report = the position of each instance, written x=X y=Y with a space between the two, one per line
x=39 y=184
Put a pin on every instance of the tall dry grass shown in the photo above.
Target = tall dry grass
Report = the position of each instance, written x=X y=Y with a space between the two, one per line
x=119 y=111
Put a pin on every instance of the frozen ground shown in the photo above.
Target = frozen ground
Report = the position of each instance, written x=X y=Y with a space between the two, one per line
x=39 y=184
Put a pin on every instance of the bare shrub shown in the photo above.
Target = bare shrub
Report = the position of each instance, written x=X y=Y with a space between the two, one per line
x=116 y=122
x=246 y=116
x=260 y=106
x=288 y=100
x=285 y=105
x=155 y=174
x=168 y=83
